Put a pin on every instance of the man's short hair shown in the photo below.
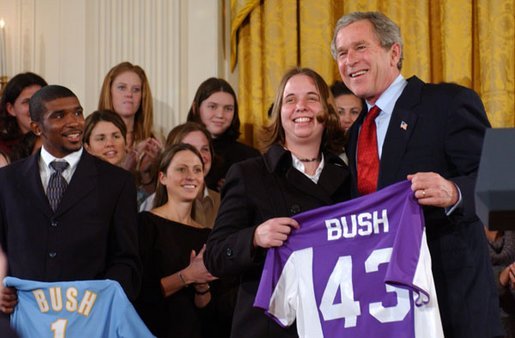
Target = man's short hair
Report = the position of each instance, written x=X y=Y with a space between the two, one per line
x=386 y=30
x=37 y=102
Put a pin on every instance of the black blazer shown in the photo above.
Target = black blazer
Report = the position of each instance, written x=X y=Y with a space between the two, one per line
x=92 y=234
x=5 y=328
x=256 y=190
x=443 y=129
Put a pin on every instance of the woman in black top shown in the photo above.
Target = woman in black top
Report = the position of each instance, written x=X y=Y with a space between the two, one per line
x=175 y=290
x=300 y=171
x=215 y=106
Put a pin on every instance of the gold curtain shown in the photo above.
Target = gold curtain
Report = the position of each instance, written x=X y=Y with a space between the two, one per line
x=470 y=42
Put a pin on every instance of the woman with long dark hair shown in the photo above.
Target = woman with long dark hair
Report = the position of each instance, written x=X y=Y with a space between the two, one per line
x=15 y=131
x=215 y=106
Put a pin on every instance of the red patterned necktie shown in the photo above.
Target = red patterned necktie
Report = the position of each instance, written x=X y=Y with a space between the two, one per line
x=368 y=156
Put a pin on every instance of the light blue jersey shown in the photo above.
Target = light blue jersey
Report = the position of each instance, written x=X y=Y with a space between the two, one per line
x=96 y=308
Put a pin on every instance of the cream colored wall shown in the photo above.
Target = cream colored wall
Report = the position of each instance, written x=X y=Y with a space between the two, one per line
x=75 y=42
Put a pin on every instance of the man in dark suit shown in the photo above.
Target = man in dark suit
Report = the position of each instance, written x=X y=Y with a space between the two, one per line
x=90 y=231
x=431 y=135
x=5 y=328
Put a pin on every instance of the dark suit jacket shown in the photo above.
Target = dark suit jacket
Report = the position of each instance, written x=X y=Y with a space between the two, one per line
x=5 y=329
x=256 y=190
x=444 y=134
x=92 y=234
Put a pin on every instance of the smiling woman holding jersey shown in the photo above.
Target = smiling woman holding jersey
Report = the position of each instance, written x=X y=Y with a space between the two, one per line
x=300 y=171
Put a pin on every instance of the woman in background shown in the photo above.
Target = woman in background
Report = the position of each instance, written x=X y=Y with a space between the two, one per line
x=126 y=91
x=502 y=254
x=175 y=291
x=14 y=115
x=300 y=171
x=204 y=211
x=216 y=107
x=207 y=202
x=506 y=283
x=105 y=136
x=5 y=328
x=4 y=159
x=348 y=105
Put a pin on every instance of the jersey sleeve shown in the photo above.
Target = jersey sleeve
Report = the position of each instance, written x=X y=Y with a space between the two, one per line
x=406 y=268
x=277 y=291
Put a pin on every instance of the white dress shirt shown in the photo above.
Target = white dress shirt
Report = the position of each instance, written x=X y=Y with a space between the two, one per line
x=386 y=103
x=45 y=170
x=297 y=164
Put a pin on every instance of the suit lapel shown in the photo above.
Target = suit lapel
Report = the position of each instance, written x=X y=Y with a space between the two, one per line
x=330 y=180
x=351 y=149
x=278 y=160
x=300 y=182
x=400 y=129
x=83 y=181
x=30 y=184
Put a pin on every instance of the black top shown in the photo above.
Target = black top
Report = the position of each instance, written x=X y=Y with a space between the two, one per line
x=7 y=145
x=5 y=329
x=227 y=152
x=165 y=248
x=256 y=190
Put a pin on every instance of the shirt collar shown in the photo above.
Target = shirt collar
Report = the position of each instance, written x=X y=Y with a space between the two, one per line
x=297 y=164
x=386 y=101
x=72 y=159
x=206 y=192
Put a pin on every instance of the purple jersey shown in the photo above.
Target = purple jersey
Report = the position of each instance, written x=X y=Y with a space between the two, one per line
x=355 y=269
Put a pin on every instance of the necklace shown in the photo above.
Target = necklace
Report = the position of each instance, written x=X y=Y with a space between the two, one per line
x=314 y=159
x=306 y=160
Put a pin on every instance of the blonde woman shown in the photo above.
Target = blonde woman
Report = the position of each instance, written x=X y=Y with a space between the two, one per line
x=126 y=91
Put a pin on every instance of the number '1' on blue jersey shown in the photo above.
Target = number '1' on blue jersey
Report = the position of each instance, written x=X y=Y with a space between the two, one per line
x=97 y=308
x=358 y=269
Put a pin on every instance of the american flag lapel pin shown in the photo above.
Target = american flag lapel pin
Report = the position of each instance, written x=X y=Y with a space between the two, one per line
x=404 y=125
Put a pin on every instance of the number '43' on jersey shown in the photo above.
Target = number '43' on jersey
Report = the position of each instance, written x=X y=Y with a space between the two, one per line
x=355 y=269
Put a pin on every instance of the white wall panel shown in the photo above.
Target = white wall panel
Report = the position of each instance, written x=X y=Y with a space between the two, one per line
x=141 y=32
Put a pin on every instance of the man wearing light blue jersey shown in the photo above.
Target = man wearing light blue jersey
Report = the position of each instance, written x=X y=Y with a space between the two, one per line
x=75 y=223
